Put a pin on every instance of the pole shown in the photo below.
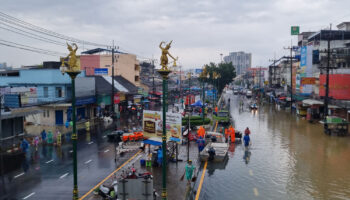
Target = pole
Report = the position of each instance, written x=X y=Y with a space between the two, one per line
x=291 y=78
x=74 y=137
x=2 y=170
x=112 y=96
x=189 y=122
x=203 y=101
x=327 y=74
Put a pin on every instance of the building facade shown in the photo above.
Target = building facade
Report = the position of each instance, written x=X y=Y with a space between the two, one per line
x=125 y=65
x=240 y=60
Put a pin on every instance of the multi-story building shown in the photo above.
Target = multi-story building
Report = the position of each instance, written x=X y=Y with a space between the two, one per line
x=240 y=60
x=125 y=65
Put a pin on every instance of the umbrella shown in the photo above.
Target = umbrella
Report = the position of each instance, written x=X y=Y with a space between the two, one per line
x=198 y=103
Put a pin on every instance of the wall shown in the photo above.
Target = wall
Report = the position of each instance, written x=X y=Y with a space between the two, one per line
x=124 y=66
x=89 y=63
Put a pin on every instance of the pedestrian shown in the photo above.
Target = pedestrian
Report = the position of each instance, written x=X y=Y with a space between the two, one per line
x=24 y=145
x=189 y=172
x=36 y=142
x=247 y=131
x=232 y=133
x=216 y=110
x=58 y=138
x=43 y=136
x=201 y=144
x=50 y=137
x=246 y=140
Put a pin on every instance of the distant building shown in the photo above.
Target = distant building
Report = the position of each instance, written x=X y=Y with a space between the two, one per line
x=240 y=60
x=125 y=65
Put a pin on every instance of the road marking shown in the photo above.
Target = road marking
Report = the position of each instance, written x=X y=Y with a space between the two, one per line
x=31 y=194
x=18 y=175
x=104 y=136
x=106 y=150
x=216 y=125
x=111 y=174
x=91 y=142
x=201 y=181
x=87 y=162
x=64 y=175
x=71 y=151
x=256 y=193
x=49 y=161
x=251 y=172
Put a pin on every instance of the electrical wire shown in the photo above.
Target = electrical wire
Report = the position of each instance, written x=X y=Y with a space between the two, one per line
x=31 y=35
x=15 y=21
x=32 y=50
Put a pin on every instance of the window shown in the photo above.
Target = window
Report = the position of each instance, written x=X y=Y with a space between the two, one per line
x=48 y=113
x=46 y=92
x=137 y=78
x=59 y=92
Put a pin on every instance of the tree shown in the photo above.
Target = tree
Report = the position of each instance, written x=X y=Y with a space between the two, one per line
x=225 y=71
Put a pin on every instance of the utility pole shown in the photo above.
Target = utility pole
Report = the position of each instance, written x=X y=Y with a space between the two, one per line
x=189 y=112
x=2 y=170
x=112 y=96
x=327 y=72
x=291 y=75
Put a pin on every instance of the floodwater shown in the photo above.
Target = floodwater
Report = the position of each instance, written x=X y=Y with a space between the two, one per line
x=289 y=159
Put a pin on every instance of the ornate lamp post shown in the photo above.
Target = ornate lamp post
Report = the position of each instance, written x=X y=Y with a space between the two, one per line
x=72 y=70
x=164 y=72
x=189 y=110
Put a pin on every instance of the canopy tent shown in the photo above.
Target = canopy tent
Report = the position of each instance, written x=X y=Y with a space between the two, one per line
x=153 y=141
x=198 y=103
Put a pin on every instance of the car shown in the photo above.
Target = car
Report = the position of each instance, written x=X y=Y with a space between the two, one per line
x=249 y=94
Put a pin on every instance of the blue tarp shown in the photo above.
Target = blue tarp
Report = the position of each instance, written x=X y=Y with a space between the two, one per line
x=198 y=103
x=152 y=142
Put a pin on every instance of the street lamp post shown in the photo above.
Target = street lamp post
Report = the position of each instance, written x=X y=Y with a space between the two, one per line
x=189 y=112
x=73 y=70
x=164 y=72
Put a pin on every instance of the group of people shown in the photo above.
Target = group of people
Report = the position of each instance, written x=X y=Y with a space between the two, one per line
x=230 y=133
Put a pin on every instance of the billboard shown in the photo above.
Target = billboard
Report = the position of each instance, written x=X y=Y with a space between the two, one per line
x=308 y=81
x=153 y=125
x=339 y=86
x=305 y=70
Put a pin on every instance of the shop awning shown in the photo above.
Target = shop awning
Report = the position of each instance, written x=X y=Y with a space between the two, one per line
x=311 y=102
x=153 y=141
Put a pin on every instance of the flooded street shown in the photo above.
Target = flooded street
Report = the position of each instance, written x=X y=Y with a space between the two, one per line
x=289 y=158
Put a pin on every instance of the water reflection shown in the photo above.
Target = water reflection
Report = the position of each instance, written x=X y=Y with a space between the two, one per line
x=247 y=154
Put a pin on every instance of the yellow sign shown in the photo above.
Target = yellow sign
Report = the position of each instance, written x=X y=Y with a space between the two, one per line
x=266 y=82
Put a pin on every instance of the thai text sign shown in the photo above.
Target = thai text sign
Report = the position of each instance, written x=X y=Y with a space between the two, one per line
x=153 y=125
x=308 y=80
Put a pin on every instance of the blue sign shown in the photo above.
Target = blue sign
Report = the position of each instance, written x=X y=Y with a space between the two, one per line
x=85 y=101
x=101 y=71
x=12 y=100
x=198 y=71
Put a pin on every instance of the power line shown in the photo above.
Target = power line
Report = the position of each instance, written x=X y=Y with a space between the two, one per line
x=15 y=21
x=31 y=35
x=29 y=48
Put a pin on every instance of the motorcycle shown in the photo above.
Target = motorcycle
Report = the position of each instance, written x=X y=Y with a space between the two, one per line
x=109 y=192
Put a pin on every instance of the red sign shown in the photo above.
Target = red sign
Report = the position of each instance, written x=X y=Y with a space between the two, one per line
x=339 y=86
x=308 y=81
x=116 y=98
x=190 y=99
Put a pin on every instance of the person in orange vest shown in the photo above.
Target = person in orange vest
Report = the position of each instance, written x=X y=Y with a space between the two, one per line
x=226 y=134
x=201 y=132
x=216 y=110
x=232 y=133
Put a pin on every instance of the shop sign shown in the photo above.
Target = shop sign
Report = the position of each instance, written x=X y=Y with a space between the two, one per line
x=308 y=81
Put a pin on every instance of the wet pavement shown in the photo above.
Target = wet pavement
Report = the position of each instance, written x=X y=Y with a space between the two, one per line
x=289 y=159
x=48 y=173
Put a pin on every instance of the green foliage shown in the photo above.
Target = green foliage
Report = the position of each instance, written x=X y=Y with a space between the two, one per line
x=226 y=71
x=195 y=121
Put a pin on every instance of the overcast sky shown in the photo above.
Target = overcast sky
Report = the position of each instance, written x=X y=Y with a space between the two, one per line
x=200 y=29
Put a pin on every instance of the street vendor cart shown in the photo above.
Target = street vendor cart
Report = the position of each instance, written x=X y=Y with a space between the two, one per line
x=335 y=125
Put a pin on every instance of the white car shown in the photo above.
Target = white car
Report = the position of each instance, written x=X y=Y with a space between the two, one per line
x=249 y=94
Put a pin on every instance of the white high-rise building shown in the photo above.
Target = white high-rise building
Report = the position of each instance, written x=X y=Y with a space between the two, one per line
x=240 y=60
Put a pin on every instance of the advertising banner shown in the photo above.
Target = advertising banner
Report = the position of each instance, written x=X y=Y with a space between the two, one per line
x=308 y=81
x=339 y=86
x=305 y=69
x=153 y=125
